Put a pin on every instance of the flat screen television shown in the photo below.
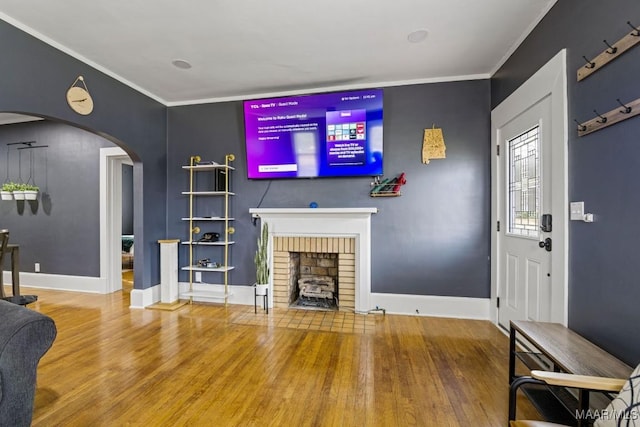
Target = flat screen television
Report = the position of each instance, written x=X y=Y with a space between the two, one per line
x=312 y=136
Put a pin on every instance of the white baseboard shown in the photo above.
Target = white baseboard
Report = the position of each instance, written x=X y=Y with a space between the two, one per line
x=437 y=306
x=426 y=305
x=59 y=282
x=140 y=298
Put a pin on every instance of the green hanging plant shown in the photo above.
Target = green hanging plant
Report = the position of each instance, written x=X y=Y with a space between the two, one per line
x=261 y=260
x=9 y=186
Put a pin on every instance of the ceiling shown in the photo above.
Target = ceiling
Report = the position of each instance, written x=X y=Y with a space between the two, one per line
x=248 y=49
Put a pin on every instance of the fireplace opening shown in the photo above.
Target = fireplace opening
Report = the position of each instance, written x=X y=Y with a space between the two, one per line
x=314 y=280
x=296 y=257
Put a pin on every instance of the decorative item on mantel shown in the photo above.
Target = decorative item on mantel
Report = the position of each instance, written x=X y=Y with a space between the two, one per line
x=433 y=145
x=389 y=187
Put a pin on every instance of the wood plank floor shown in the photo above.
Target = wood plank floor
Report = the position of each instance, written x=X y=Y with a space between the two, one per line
x=206 y=365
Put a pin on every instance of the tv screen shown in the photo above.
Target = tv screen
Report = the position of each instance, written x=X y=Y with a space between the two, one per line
x=311 y=136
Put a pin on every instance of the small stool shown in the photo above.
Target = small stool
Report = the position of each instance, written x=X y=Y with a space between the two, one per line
x=265 y=300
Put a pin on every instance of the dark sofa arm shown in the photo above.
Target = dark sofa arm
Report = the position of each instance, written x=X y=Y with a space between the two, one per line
x=25 y=336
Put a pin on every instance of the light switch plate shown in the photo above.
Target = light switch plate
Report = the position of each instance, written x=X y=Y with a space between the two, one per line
x=577 y=211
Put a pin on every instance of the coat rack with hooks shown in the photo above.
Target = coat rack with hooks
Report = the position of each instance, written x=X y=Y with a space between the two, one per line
x=610 y=53
x=618 y=114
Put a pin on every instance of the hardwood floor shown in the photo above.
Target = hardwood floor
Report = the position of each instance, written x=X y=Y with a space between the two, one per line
x=205 y=365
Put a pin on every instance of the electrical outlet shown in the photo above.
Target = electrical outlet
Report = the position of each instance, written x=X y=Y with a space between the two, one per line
x=198 y=276
x=36 y=268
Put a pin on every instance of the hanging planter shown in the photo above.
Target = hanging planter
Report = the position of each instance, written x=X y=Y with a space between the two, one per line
x=18 y=191
x=30 y=192
x=7 y=190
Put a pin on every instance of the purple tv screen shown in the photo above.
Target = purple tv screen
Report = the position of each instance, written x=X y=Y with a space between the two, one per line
x=324 y=135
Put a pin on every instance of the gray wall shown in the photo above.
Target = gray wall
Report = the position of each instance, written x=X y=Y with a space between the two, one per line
x=35 y=78
x=60 y=229
x=432 y=240
x=127 y=199
x=604 y=166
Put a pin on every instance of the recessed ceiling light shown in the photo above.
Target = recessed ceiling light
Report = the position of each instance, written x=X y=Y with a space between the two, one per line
x=417 y=36
x=181 y=63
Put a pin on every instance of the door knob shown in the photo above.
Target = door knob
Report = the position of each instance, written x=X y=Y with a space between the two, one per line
x=546 y=244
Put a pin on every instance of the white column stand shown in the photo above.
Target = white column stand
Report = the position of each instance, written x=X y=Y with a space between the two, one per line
x=168 y=271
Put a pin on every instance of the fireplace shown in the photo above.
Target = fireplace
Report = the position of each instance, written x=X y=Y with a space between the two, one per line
x=319 y=259
x=346 y=233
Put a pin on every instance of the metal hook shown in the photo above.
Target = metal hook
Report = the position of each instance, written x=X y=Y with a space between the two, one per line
x=637 y=30
x=589 y=63
x=602 y=118
x=581 y=127
x=613 y=49
x=627 y=110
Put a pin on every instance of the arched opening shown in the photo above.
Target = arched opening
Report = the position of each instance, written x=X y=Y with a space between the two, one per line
x=71 y=236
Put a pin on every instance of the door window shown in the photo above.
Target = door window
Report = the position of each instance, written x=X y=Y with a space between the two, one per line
x=524 y=184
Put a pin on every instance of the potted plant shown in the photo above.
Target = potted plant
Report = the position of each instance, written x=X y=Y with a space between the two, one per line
x=18 y=191
x=31 y=191
x=7 y=190
x=262 y=262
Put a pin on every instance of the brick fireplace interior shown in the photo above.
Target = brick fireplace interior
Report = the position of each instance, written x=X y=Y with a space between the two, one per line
x=320 y=257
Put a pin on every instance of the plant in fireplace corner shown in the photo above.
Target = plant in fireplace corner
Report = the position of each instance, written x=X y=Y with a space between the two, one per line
x=262 y=262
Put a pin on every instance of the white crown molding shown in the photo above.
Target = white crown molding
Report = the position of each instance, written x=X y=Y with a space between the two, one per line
x=330 y=89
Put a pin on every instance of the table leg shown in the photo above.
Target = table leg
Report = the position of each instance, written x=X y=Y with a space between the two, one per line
x=512 y=354
x=2 y=295
x=15 y=271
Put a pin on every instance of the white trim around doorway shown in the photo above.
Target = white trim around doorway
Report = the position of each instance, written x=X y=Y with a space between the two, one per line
x=550 y=80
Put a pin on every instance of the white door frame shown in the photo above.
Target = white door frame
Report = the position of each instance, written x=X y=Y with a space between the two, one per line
x=550 y=80
x=111 y=161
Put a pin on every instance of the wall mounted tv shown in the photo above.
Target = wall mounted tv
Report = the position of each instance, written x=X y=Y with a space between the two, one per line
x=323 y=135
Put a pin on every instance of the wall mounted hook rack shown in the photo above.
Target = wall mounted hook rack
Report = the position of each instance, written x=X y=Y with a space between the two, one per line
x=630 y=109
x=610 y=53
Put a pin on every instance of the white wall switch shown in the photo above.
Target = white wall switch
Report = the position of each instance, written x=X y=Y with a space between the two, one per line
x=577 y=211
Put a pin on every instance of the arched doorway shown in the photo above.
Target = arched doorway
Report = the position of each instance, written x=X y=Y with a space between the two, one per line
x=46 y=239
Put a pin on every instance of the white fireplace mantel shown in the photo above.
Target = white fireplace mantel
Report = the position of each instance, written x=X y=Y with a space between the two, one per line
x=328 y=222
x=314 y=212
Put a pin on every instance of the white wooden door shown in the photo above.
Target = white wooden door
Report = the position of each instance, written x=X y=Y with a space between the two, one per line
x=524 y=163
